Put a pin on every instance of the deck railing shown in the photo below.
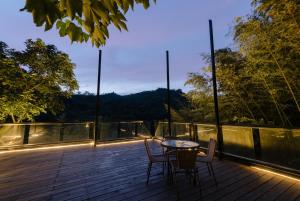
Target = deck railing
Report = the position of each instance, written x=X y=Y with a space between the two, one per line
x=18 y=135
x=12 y=135
x=276 y=146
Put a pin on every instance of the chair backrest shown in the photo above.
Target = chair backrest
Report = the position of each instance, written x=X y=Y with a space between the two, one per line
x=148 y=150
x=211 y=149
x=186 y=159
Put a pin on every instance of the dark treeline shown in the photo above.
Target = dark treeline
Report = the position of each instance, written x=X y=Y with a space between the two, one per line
x=147 y=105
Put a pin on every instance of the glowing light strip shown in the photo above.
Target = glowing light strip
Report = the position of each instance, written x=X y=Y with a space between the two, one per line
x=275 y=173
x=44 y=148
x=117 y=143
x=67 y=146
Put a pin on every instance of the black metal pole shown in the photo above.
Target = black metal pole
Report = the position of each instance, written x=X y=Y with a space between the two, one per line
x=96 y=134
x=213 y=65
x=168 y=93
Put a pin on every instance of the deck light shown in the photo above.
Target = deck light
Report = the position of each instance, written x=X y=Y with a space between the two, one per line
x=117 y=143
x=44 y=148
x=275 y=173
x=67 y=146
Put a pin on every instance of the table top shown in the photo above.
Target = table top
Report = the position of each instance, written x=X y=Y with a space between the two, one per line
x=179 y=144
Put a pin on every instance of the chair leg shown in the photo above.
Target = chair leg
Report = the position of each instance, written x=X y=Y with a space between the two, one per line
x=163 y=164
x=170 y=174
x=195 y=173
x=148 y=171
x=213 y=173
x=177 y=188
x=200 y=189
x=198 y=177
x=208 y=168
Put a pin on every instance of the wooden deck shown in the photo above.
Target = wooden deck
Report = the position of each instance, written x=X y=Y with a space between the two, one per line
x=118 y=172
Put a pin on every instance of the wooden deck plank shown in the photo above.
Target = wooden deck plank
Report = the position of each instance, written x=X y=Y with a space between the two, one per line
x=277 y=191
x=117 y=172
x=261 y=190
x=292 y=193
x=130 y=193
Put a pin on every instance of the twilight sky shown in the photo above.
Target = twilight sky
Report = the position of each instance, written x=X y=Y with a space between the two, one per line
x=135 y=61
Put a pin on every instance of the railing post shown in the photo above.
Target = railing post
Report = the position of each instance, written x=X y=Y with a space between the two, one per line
x=152 y=128
x=191 y=131
x=119 y=130
x=256 y=143
x=215 y=92
x=174 y=129
x=26 y=134
x=168 y=94
x=61 y=132
x=97 y=134
x=136 y=129
x=91 y=130
x=195 y=132
x=163 y=130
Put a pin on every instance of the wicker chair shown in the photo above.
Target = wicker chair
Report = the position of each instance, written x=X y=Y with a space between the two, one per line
x=185 y=163
x=153 y=158
x=208 y=158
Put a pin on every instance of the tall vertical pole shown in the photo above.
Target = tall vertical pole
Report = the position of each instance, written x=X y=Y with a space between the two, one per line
x=213 y=65
x=168 y=93
x=97 y=133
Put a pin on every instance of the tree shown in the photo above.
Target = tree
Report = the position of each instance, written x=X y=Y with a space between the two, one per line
x=270 y=40
x=201 y=97
x=82 y=20
x=234 y=89
x=34 y=81
x=260 y=81
x=243 y=97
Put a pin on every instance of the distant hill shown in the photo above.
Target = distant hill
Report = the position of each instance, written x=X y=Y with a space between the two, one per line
x=146 y=105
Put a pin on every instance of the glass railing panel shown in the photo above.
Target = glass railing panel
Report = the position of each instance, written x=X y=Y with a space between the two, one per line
x=109 y=131
x=143 y=130
x=127 y=130
x=44 y=133
x=238 y=140
x=280 y=146
x=205 y=132
x=295 y=161
x=181 y=130
x=116 y=130
x=161 y=129
x=77 y=132
x=11 y=135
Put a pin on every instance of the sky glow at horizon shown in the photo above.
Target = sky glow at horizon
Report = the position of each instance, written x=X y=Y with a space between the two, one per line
x=134 y=61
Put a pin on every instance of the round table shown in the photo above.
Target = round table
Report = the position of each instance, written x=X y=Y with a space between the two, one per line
x=180 y=144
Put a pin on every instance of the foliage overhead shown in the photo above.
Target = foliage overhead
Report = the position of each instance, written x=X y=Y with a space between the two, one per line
x=34 y=81
x=82 y=20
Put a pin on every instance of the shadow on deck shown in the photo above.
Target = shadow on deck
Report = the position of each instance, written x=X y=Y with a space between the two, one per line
x=118 y=172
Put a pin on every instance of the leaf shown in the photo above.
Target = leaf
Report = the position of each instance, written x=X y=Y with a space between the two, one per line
x=86 y=13
x=59 y=24
x=62 y=30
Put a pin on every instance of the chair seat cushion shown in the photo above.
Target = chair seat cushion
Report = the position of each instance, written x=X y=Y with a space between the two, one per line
x=201 y=154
